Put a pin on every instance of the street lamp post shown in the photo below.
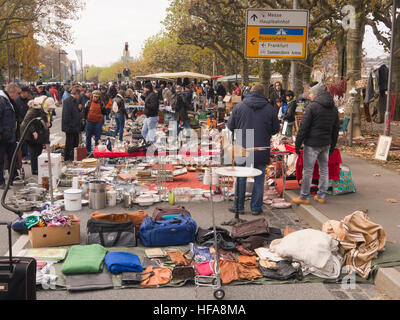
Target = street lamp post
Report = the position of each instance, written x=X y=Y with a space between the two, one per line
x=60 y=52
x=8 y=51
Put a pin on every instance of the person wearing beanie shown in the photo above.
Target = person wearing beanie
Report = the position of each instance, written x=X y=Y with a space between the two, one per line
x=94 y=111
x=120 y=114
x=36 y=135
x=319 y=131
x=151 y=107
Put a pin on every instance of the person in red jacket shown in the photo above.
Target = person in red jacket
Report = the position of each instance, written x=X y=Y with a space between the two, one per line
x=54 y=93
x=94 y=111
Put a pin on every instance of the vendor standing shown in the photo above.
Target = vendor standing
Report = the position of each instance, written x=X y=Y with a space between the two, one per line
x=121 y=115
x=319 y=131
x=36 y=135
x=94 y=112
x=257 y=114
x=71 y=123
x=151 y=107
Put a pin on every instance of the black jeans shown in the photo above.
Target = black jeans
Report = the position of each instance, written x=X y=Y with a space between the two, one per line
x=6 y=149
x=35 y=151
x=71 y=142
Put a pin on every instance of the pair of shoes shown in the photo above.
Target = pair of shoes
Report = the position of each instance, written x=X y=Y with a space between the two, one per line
x=322 y=201
x=233 y=210
x=300 y=201
x=256 y=213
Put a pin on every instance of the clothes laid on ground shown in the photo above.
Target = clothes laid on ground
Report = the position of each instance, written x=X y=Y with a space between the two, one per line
x=44 y=254
x=317 y=253
x=161 y=276
x=284 y=271
x=84 y=259
x=360 y=240
x=118 y=262
x=248 y=268
x=87 y=282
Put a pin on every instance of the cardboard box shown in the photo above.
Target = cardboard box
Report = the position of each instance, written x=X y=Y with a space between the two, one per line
x=56 y=236
x=236 y=99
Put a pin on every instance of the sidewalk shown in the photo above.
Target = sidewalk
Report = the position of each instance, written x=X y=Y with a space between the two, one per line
x=374 y=185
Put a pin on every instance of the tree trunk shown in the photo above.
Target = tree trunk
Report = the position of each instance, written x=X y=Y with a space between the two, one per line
x=354 y=56
x=396 y=68
x=285 y=74
x=265 y=74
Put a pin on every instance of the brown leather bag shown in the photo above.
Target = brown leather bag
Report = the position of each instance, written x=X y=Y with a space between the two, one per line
x=159 y=212
x=250 y=228
x=137 y=217
x=160 y=276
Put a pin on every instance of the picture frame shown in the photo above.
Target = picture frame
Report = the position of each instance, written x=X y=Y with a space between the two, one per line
x=383 y=148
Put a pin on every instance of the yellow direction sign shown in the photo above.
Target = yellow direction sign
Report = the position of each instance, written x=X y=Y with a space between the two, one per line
x=276 y=34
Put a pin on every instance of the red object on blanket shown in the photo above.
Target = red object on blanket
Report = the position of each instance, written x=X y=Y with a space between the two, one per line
x=335 y=159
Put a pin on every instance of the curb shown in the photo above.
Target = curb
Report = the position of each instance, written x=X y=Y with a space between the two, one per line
x=387 y=279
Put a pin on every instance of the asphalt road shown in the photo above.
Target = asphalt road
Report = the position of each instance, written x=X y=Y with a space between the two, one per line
x=201 y=212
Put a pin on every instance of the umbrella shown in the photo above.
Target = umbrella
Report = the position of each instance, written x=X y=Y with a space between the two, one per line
x=186 y=74
x=238 y=77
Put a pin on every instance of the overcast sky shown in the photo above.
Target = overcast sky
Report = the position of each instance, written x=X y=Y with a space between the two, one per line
x=105 y=26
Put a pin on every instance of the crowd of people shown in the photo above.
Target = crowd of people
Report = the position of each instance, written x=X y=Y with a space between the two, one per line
x=86 y=107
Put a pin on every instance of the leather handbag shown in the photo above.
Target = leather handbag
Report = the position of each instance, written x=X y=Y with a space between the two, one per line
x=250 y=228
x=181 y=272
x=132 y=278
x=285 y=271
x=111 y=234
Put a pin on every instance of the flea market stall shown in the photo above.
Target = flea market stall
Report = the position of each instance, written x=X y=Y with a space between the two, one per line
x=150 y=238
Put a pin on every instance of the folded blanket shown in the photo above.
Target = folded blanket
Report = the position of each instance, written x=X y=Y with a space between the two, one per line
x=118 y=262
x=84 y=259
x=88 y=282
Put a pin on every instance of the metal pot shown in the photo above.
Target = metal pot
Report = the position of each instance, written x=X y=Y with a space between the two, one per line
x=127 y=200
x=97 y=194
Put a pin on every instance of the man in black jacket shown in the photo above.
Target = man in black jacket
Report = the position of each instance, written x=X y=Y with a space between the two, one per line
x=254 y=115
x=221 y=91
x=8 y=127
x=71 y=123
x=319 y=131
x=22 y=108
x=151 y=107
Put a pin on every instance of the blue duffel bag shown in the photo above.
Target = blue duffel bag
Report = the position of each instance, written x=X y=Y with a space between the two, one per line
x=175 y=232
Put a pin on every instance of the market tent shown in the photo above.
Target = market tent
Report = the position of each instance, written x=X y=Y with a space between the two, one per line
x=233 y=78
x=152 y=77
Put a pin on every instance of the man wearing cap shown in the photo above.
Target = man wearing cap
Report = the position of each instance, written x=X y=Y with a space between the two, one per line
x=36 y=135
x=8 y=127
x=22 y=108
x=151 y=107
x=94 y=112
x=319 y=131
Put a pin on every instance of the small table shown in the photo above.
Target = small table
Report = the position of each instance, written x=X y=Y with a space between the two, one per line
x=237 y=172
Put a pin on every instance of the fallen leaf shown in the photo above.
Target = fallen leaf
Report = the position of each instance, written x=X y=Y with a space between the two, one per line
x=376 y=175
x=392 y=200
